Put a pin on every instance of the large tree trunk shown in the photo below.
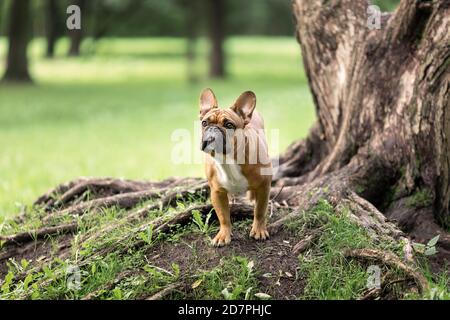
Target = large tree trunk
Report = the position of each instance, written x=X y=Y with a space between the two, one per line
x=76 y=35
x=52 y=25
x=216 y=34
x=18 y=37
x=382 y=102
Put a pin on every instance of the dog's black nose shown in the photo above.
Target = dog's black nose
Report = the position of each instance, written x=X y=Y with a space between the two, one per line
x=207 y=140
x=212 y=140
x=205 y=144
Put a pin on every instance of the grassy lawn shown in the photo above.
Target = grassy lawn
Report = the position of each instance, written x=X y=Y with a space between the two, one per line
x=112 y=112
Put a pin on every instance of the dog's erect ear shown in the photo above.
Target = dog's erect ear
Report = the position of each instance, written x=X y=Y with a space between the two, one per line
x=245 y=105
x=207 y=102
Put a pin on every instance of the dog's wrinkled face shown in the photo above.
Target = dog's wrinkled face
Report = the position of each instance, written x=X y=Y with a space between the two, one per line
x=219 y=126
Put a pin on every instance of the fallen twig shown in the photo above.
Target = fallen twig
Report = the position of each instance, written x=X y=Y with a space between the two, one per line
x=169 y=200
x=164 y=292
x=306 y=242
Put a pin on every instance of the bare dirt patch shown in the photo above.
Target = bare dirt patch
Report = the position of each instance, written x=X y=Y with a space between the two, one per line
x=275 y=264
x=31 y=251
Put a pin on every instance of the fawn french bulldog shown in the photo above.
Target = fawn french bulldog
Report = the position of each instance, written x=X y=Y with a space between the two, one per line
x=236 y=160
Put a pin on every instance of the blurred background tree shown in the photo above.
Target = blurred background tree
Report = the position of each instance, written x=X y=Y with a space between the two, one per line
x=76 y=35
x=19 y=36
x=54 y=25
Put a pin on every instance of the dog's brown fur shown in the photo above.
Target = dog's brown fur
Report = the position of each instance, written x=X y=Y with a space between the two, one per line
x=242 y=115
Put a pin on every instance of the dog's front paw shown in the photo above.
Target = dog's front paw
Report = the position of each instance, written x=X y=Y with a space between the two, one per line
x=222 y=238
x=259 y=232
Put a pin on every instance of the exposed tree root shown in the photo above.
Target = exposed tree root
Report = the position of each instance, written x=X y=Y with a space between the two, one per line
x=170 y=198
x=125 y=201
x=139 y=214
x=295 y=200
x=66 y=193
x=24 y=237
x=371 y=294
x=165 y=226
x=48 y=198
x=15 y=251
x=391 y=260
x=112 y=186
x=366 y=215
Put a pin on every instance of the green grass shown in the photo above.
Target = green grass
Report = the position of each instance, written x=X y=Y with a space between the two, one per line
x=234 y=278
x=323 y=270
x=329 y=275
x=421 y=198
x=112 y=111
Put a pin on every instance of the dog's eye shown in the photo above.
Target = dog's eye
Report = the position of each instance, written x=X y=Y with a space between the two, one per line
x=204 y=123
x=229 y=125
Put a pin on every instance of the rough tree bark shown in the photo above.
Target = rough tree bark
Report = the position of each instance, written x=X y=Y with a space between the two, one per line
x=382 y=102
x=18 y=38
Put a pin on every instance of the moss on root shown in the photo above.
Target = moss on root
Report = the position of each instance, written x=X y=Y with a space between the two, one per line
x=420 y=199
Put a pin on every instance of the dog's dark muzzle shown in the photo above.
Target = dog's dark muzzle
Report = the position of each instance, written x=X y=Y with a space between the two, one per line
x=213 y=140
